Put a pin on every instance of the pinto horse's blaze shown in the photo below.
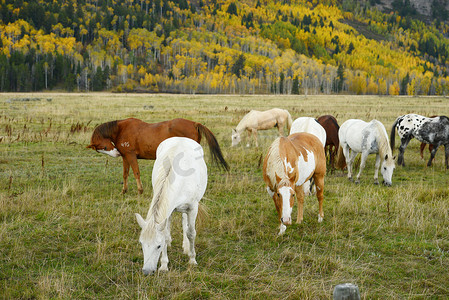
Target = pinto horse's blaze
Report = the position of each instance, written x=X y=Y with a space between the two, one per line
x=290 y=162
x=134 y=139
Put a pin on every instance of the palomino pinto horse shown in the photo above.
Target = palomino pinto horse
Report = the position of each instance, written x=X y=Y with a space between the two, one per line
x=179 y=181
x=331 y=127
x=357 y=136
x=261 y=120
x=434 y=131
x=309 y=125
x=290 y=162
x=134 y=139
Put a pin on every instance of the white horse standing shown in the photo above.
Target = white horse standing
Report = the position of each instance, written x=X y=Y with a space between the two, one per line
x=309 y=125
x=366 y=138
x=179 y=181
x=261 y=120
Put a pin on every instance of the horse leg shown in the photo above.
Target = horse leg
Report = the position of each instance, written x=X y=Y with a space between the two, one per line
x=164 y=256
x=134 y=165
x=255 y=137
x=404 y=143
x=446 y=150
x=185 y=240
x=362 y=165
x=191 y=232
x=280 y=129
x=319 y=183
x=300 y=199
x=432 y=155
x=421 y=149
x=376 y=169
x=249 y=138
x=125 y=175
x=349 y=160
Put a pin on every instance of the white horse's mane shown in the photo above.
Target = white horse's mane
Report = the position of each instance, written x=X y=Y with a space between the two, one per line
x=158 y=211
x=384 y=146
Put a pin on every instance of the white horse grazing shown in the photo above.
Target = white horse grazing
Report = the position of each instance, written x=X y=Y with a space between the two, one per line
x=179 y=181
x=261 y=120
x=309 y=125
x=366 y=138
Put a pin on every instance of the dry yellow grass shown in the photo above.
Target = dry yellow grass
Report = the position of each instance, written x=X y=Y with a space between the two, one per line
x=66 y=232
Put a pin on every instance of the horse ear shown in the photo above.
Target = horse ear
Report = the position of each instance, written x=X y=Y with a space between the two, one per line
x=278 y=179
x=394 y=157
x=233 y=130
x=142 y=223
x=386 y=156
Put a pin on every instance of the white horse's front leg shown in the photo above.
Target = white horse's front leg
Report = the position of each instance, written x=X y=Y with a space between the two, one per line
x=376 y=169
x=255 y=137
x=164 y=256
x=362 y=165
x=191 y=233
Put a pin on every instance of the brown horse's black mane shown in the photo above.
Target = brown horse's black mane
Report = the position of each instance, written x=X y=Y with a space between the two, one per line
x=106 y=130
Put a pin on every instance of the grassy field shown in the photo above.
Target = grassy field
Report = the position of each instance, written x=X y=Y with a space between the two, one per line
x=66 y=232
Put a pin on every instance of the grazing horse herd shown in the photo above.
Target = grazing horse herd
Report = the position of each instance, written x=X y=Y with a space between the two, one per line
x=291 y=166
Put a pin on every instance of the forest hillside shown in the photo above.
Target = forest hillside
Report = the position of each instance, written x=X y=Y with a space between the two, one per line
x=225 y=46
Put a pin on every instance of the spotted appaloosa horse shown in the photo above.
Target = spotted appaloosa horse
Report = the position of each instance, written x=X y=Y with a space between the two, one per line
x=331 y=127
x=134 y=139
x=290 y=162
x=434 y=131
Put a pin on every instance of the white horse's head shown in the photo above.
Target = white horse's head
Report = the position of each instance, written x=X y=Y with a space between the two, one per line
x=152 y=244
x=235 y=137
x=387 y=168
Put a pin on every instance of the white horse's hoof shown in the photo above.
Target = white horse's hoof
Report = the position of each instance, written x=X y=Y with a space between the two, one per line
x=192 y=261
x=163 y=268
x=320 y=219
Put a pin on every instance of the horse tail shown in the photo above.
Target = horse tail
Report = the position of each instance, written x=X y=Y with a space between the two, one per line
x=214 y=147
x=393 y=134
x=341 y=160
x=289 y=121
x=203 y=215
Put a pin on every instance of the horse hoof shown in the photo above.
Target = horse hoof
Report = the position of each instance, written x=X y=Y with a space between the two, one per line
x=124 y=192
x=376 y=182
x=357 y=181
x=163 y=268
x=140 y=192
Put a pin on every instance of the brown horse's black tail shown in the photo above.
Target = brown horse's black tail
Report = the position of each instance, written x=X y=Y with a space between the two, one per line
x=214 y=148
x=341 y=160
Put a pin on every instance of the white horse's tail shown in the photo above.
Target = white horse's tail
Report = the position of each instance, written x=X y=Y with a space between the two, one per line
x=393 y=134
x=289 y=121
x=203 y=215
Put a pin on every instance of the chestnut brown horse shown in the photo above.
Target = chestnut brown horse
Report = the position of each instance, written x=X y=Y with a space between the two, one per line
x=134 y=139
x=290 y=162
x=331 y=127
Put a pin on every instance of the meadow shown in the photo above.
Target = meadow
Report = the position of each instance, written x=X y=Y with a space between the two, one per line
x=66 y=232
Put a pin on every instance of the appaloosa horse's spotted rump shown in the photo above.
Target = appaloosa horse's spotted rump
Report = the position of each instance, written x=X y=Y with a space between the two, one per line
x=434 y=131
